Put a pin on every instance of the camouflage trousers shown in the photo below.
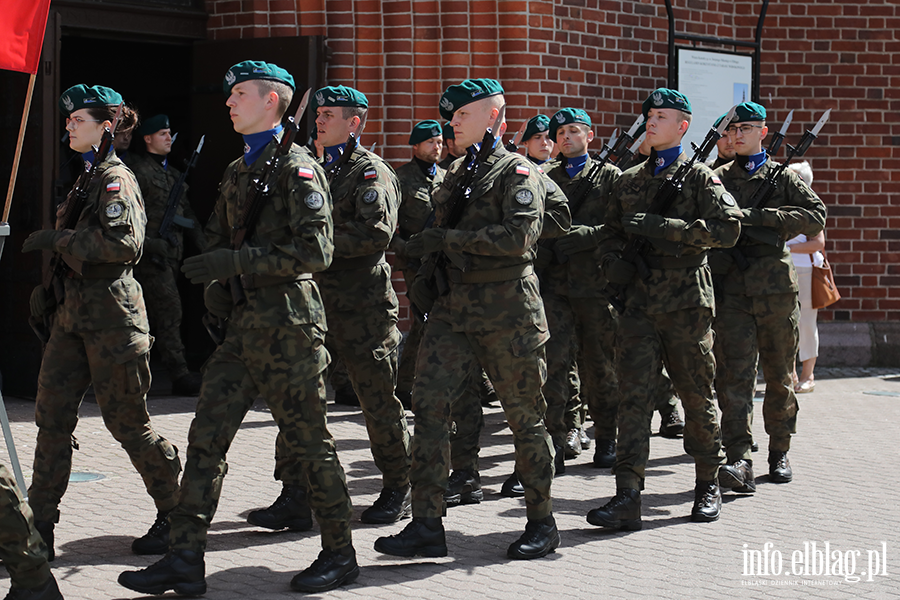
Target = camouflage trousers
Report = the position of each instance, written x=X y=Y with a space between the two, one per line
x=164 y=312
x=467 y=415
x=22 y=550
x=666 y=400
x=448 y=363
x=747 y=327
x=366 y=341
x=406 y=371
x=284 y=365
x=683 y=341
x=73 y=362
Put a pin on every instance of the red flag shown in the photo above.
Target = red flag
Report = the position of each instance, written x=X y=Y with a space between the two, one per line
x=22 y=33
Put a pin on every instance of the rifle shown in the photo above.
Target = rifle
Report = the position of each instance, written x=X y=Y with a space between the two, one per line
x=623 y=162
x=352 y=142
x=435 y=264
x=171 y=217
x=260 y=189
x=619 y=148
x=73 y=205
x=513 y=144
x=665 y=196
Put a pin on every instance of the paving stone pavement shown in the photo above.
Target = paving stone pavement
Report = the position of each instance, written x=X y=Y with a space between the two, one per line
x=848 y=431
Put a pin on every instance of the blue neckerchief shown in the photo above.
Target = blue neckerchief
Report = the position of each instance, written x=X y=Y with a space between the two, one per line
x=476 y=147
x=575 y=165
x=88 y=158
x=332 y=153
x=752 y=163
x=534 y=160
x=255 y=143
x=664 y=158
x=427 y=168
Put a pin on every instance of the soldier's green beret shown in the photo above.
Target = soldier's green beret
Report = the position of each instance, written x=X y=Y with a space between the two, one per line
x=424 y=130
x=341 y=95
x=470 y=90
x=152 y=125
x=748 y=111
x=666 y=98
x=81 y=96
x=568 y=115
x=719 y=120
x=256 y=69
x=449 y=134
x=538 y=124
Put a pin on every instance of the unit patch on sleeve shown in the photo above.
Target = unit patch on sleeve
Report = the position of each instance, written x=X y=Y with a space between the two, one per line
x=314 y=200
x=728 y=199
x=524 y=197
x=114 y=210
x=370 y=196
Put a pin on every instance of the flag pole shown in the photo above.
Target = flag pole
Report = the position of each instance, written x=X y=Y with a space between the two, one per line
x=18 y=155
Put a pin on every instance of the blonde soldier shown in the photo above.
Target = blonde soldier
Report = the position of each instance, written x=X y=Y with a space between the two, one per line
x=491 y=317
x=99 y=334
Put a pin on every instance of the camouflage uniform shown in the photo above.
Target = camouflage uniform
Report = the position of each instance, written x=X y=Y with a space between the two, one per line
x=22 y=550
x=758 y=311
x=492 y=317
x=274 y=348
x=100 y=337
x=582 y=324
x=158 y=273
x=668 y=317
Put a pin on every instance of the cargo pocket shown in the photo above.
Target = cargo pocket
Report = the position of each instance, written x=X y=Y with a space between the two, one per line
x=387 y=346
x=529 y=341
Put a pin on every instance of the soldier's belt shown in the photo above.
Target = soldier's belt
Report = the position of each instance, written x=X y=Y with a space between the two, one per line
x=491 y=275
x=675 y=262
x=254 y=281
x=762 y=250
x=356 y=262
x=89 y=271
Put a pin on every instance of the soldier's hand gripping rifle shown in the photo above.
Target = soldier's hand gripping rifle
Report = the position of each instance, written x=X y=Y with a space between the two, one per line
x=72 y=207
x=665 y=196
x=261 y=188
x=334 y=171
x=171 y=217
x=435 y=264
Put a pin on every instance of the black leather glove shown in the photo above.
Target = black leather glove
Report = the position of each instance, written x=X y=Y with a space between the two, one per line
x=423 y=294
x=43 y=239
x=218 y=300
x=41 y=303
x=720 y=262
x=620 y=272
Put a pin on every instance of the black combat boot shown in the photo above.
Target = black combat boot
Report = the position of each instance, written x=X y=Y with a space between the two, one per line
x=672 y=425
x=422 y=537
x=156 y=540
x=48 y=591
x=541 y=537
x=707 y=502
x=622 y=512
x=187 y=385
x=463 y=487
x=392 y=505
x=779 y=467
x=559 y=461
x=512 y=487
x=738 y=477
x=605 y=454
x=332 y=569
x=45 y=528
x=290 y=510
x=180 y=570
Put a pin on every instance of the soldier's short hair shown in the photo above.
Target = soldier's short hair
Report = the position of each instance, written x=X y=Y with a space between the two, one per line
x=285 y=93
x=686 y=116
x=353 y=111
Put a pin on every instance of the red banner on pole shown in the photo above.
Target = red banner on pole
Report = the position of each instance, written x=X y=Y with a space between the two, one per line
x=22 y=28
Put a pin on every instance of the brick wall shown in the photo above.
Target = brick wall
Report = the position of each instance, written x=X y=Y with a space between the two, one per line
x=606 y=55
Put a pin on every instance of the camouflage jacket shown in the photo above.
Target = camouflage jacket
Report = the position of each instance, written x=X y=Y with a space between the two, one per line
x=156 y=184
x=579 y=277
x=557 y=218
x=292 y=236
x=499 y=228
x=109 y=232
x=711 y=218
x=415 y=205
x=793 y=206
x=366 y=199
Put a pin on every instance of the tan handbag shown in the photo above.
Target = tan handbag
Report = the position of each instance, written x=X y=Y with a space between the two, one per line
x=824 y=291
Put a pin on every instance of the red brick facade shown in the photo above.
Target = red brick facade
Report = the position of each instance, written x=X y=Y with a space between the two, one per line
x=606 y=55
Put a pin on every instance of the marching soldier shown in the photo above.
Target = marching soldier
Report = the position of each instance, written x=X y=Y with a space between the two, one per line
x=668 y=313
x=99 y=334
x=757 y=306
x=491 y=317
x=158 y=271
x=273 y=345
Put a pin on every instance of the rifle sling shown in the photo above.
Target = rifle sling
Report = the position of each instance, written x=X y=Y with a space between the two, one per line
x=491 y=275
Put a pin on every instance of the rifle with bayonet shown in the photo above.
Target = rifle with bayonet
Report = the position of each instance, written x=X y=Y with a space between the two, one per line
x=665 y=196
x=513 y=144
x=171 y=217
x=73 y=206
x=334 y=171
x=621 y=146
x=260 y=189
x=624 y=161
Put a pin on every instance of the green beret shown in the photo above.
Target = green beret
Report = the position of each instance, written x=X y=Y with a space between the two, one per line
x=538 y=124
x=748 y=111
x=81 y=96
x=424 y=130
x=719 y=120
x=152 y=125
x=256 y=69
x=470 y=90
x=666 y=98
x=341 y=95
x=449 y=134
x=568 y=115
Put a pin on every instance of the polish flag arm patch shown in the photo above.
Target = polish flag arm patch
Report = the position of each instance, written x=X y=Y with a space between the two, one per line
x=113 y=187
x=371 y=174
x=305 y=173
x=716 y=180
x=523 y=170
